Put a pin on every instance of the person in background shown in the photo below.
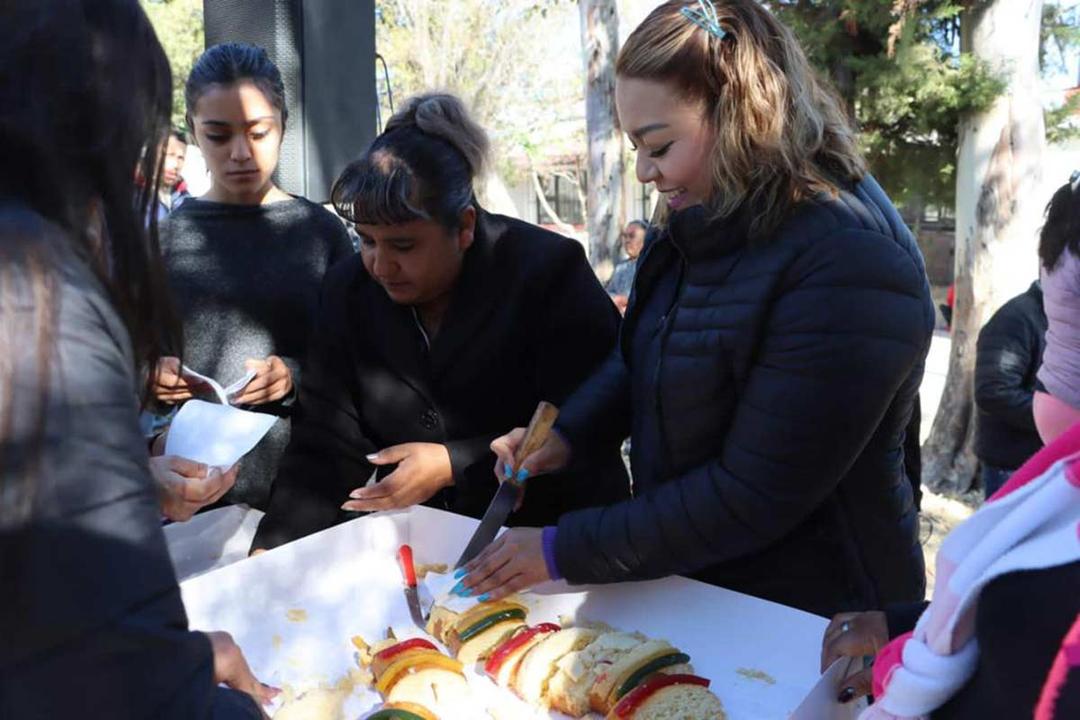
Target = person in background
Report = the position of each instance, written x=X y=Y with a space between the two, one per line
x=1057 y=401
x=1001 y=638
x=451 y=323
x=768 y=365
x=173 y=188
x=1007 y=357
x=91 y=618
x=245 y=261
x=622 y=279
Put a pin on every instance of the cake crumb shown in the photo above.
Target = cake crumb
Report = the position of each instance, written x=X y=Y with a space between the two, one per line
x=424 y=568
x=296 y=615
x=751 y=674
x=276 y=642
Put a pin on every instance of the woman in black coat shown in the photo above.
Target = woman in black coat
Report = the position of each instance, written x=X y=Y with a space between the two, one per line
x=450 y=324
x=772 y=349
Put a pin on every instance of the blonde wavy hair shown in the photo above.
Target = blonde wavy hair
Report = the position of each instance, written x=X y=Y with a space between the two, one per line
x=781 y=133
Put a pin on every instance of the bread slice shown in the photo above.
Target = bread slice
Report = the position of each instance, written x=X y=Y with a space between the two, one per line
x=608 y=679
x=677 y=702
x=441 y=691
x=508 y=665
x=440 y=622
x=568 y=688
x=482 y=645
x=538 y=665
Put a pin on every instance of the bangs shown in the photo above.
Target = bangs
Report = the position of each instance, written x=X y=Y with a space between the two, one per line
x=378 y=189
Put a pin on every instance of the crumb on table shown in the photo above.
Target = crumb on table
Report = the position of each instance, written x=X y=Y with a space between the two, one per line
x=751 y=674
x=296 y=615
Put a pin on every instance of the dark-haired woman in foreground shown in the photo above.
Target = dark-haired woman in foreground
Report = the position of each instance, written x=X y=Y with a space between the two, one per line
x=91 y=620
x=245 y=261
x=450 y=323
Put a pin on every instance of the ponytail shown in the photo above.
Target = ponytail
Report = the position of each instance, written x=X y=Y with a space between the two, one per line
x=421 y=167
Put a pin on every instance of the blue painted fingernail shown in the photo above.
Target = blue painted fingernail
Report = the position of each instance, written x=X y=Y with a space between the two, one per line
x=457 y=590
x=508 y=472
x=484 y=598
x=460 y=573
x=522 y=475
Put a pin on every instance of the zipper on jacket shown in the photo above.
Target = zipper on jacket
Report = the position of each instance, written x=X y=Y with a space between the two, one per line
x=666 y=326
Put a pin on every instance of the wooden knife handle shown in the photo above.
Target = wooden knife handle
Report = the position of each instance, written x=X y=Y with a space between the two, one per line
x=536 y=434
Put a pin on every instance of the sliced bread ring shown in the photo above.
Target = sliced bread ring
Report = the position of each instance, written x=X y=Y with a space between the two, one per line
x=479 y=647
x=670 y=697
x=602 y=695
x=568 y=689
x=439 y=690
x=538 y=665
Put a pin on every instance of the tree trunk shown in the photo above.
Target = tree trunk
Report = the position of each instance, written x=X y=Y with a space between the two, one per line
x=999 y=201
x=604 y=187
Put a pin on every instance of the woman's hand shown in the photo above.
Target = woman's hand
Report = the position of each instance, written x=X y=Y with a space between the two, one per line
x=854 y=635
x=514 y=561
x=171 y=385
x=552 y=456
x=231 y=668
x=272 y=382
x=422 y=470
x=186 y=486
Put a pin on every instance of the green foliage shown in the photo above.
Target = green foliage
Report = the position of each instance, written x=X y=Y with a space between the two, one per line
x=898 y=65
x=179 y=27
x=1061 y=122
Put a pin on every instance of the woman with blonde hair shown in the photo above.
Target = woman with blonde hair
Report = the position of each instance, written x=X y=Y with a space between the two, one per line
x=772 y=348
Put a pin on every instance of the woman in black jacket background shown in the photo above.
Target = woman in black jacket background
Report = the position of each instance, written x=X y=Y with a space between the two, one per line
x=772 y=349
x=450 y=325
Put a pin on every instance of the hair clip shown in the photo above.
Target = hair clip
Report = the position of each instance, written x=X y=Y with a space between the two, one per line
x=705 y=17
x=1074 y=180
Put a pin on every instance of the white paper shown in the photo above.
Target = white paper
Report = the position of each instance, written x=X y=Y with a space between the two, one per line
x=762 y=658
x=224 y=395
x=217 y=435
x=211 y=540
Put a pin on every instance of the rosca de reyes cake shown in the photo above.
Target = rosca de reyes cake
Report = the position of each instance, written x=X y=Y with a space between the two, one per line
x=415 y=673
x=669 y=697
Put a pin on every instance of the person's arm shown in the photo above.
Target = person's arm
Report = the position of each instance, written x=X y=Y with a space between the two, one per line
x=326 y=456
x=1004 y=356
x=840 y=339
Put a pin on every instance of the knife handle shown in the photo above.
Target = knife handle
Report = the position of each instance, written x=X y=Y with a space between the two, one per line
x=405 y=556
x=536 y=434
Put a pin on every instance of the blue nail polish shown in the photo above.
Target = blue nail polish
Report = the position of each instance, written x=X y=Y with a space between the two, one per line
x=484 y=598
x=460 y=573
x=457 y=590
x=522 y=475
x=508 y=472
x=467 y=593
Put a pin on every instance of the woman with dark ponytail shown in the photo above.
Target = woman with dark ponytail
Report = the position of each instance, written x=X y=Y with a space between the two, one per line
x=452 y=322
x=245 y=260
x=91 y=619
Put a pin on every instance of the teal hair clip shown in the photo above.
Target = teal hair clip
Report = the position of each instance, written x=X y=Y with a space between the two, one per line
x=705 y=17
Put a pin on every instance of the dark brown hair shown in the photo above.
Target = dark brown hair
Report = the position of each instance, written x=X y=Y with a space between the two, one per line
x=421 y=167
x=85 y=96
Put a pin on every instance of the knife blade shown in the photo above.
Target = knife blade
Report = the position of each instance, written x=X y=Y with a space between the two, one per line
x=509 y=492
x=821 y=703
x=412 y=596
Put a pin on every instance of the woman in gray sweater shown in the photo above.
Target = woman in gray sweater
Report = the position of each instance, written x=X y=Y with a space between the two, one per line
x=246 y=260
x=91 y=620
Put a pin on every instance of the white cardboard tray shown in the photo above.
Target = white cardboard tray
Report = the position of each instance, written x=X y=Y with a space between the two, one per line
x=294 y=609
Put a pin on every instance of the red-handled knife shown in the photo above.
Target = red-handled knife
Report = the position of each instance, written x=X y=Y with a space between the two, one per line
x=412 y=596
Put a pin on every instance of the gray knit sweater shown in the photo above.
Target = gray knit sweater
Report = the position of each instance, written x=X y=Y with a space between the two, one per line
x=246 y=280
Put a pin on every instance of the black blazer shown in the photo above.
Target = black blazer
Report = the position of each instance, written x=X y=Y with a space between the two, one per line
x=528 y=322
